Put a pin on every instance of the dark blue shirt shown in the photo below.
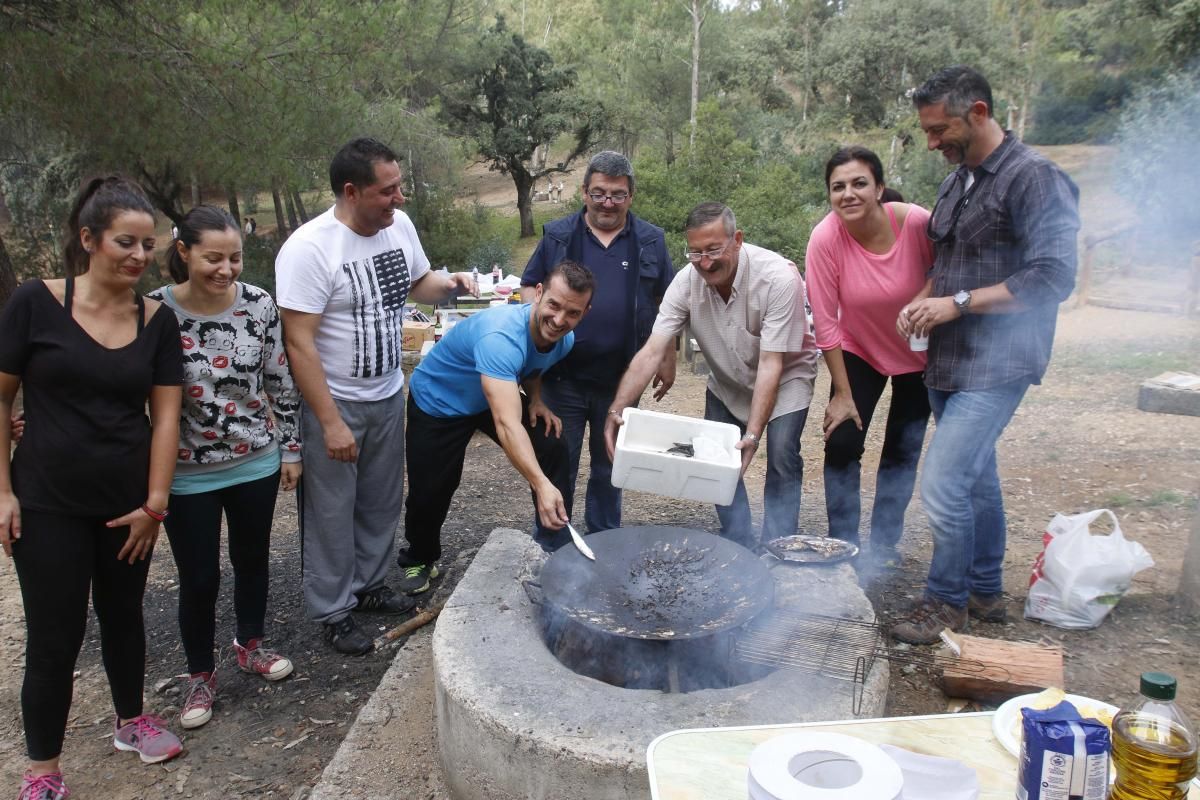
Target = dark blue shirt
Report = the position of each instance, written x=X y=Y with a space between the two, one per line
x=632 y=275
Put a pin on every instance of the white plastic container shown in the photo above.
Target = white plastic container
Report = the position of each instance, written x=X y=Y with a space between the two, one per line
x=641 y=461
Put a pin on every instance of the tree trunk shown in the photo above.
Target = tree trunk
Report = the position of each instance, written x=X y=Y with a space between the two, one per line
x=234 y=209
x=293 y=223
x=300 y=207
x=195 y=191
x=524 y=183
x=697 y=21
x=281 y=227
x=8 y=276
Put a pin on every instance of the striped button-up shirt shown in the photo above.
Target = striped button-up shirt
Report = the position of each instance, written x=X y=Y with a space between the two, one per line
x=1016 y=224
x=765 y=311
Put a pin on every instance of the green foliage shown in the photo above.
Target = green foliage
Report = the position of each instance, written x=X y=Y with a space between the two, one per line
x=491 y=251
x=258 y=261
x=38 y=192
x=514 y=100
x=1077 y=104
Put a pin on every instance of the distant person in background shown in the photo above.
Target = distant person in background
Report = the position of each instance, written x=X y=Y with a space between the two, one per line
x=866 y=259
x=248 y=227
x=235 y=450
x=628 y=258
x=343 y=279
x=473 y=381
x=82 y=500
x=745 y=306
x=1003 y=232
x=253 y=226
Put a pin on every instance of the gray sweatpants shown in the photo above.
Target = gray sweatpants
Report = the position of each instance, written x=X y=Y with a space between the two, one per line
x=349 y=512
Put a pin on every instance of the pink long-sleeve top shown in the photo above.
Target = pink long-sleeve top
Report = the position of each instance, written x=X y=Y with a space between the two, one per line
x=856 y=295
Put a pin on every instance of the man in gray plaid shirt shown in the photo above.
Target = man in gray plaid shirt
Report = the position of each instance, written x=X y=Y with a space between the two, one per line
x=1004 y=230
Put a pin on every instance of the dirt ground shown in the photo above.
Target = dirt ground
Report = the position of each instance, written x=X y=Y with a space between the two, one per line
x=1076 y=443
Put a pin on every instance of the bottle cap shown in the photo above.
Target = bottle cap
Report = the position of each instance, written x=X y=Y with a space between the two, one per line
x=1158 y=685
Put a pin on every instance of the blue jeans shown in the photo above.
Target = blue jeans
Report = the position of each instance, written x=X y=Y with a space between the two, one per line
x=960 y=488
x=581 y=404
x=785 y=472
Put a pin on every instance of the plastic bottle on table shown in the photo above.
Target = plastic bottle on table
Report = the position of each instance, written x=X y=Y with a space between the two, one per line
x=1153 y=745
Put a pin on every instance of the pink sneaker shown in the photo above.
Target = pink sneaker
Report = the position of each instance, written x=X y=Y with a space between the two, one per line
x=258 y=660
x=148 y=737
x=43 y=787
x=198 y=702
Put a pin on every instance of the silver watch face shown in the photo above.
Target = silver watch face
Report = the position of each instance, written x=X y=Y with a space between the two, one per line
x=962 y=298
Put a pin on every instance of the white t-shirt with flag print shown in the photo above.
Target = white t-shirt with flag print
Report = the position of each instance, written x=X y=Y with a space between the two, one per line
x=358 y=284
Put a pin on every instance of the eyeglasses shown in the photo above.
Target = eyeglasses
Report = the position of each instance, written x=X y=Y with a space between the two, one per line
x=616 y=197
x=695 y=256
x=960 y=205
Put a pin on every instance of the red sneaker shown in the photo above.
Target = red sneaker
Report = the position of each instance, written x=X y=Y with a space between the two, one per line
x=258 y=660
x=198 y=701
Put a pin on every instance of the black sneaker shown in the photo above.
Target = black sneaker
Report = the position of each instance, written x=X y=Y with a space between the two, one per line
x=416 y=579
x=346 y=637
x=384 y=601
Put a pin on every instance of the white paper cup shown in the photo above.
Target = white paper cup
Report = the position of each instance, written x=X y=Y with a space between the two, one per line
x=918 y=344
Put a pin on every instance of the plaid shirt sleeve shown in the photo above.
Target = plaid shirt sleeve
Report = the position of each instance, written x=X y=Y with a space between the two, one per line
x=1045 y=217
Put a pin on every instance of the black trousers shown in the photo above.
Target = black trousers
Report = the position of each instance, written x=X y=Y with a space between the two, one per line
x=902 y=440
x=58 y=559
x=194 y=529
x=435 y=448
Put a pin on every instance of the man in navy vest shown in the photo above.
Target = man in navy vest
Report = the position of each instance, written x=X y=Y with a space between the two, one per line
x=628 y=257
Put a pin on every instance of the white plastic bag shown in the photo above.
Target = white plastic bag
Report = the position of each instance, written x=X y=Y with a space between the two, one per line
x=1078 y=577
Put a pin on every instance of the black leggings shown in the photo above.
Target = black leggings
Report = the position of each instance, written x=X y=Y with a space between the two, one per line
x=902 y=440
x=194 y=528
x=58 y=558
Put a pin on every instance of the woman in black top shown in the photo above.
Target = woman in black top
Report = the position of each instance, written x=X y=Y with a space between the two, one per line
x=81 y=504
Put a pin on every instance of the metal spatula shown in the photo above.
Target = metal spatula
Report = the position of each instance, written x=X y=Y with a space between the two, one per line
x=579 y=543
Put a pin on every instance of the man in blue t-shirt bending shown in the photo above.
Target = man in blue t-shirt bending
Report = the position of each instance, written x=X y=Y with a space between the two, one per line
x=471 y=381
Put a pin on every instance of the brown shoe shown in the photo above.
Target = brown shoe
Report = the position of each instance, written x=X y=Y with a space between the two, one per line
x=925 y=623
x=988 y=608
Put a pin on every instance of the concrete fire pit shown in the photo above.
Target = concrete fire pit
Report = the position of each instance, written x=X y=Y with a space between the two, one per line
x=514 y=723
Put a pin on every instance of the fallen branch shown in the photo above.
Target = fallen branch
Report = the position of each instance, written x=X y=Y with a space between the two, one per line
x=404 y=628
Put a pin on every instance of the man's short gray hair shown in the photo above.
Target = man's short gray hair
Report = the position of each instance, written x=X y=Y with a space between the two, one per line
x=959 y=87
x=708 y=213
x=610 y=163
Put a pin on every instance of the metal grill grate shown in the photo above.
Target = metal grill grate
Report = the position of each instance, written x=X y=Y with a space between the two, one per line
x=835 y=647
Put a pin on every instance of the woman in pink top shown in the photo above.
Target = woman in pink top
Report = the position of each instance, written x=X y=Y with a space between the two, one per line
x=865 y=260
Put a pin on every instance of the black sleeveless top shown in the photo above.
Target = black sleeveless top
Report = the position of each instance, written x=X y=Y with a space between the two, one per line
x=86 y=448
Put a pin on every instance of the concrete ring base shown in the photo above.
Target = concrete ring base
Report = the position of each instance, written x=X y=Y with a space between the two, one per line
x=515 y=724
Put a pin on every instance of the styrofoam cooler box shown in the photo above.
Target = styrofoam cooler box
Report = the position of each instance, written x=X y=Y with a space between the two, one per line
x=641 y=461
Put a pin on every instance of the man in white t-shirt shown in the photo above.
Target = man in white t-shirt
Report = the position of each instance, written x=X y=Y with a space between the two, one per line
x=342 y=281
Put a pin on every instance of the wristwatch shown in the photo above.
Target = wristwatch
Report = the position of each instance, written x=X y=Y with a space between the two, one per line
x=962 y=301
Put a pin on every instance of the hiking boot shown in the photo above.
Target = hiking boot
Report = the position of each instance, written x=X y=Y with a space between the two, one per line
x=416 y=579
x=988 y=608
x=384 y=601
x=258 y=660
x=198 y=700
x=43 y=787
x=148 y=737
x=346 y=637
x=924 y=624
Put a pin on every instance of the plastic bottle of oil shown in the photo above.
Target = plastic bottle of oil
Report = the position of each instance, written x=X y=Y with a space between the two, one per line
x=1154 y=745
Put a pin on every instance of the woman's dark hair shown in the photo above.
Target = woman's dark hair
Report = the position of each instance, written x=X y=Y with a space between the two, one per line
x=191 y=228
x=890 y=195
x=854 y=153
x=96 y=206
